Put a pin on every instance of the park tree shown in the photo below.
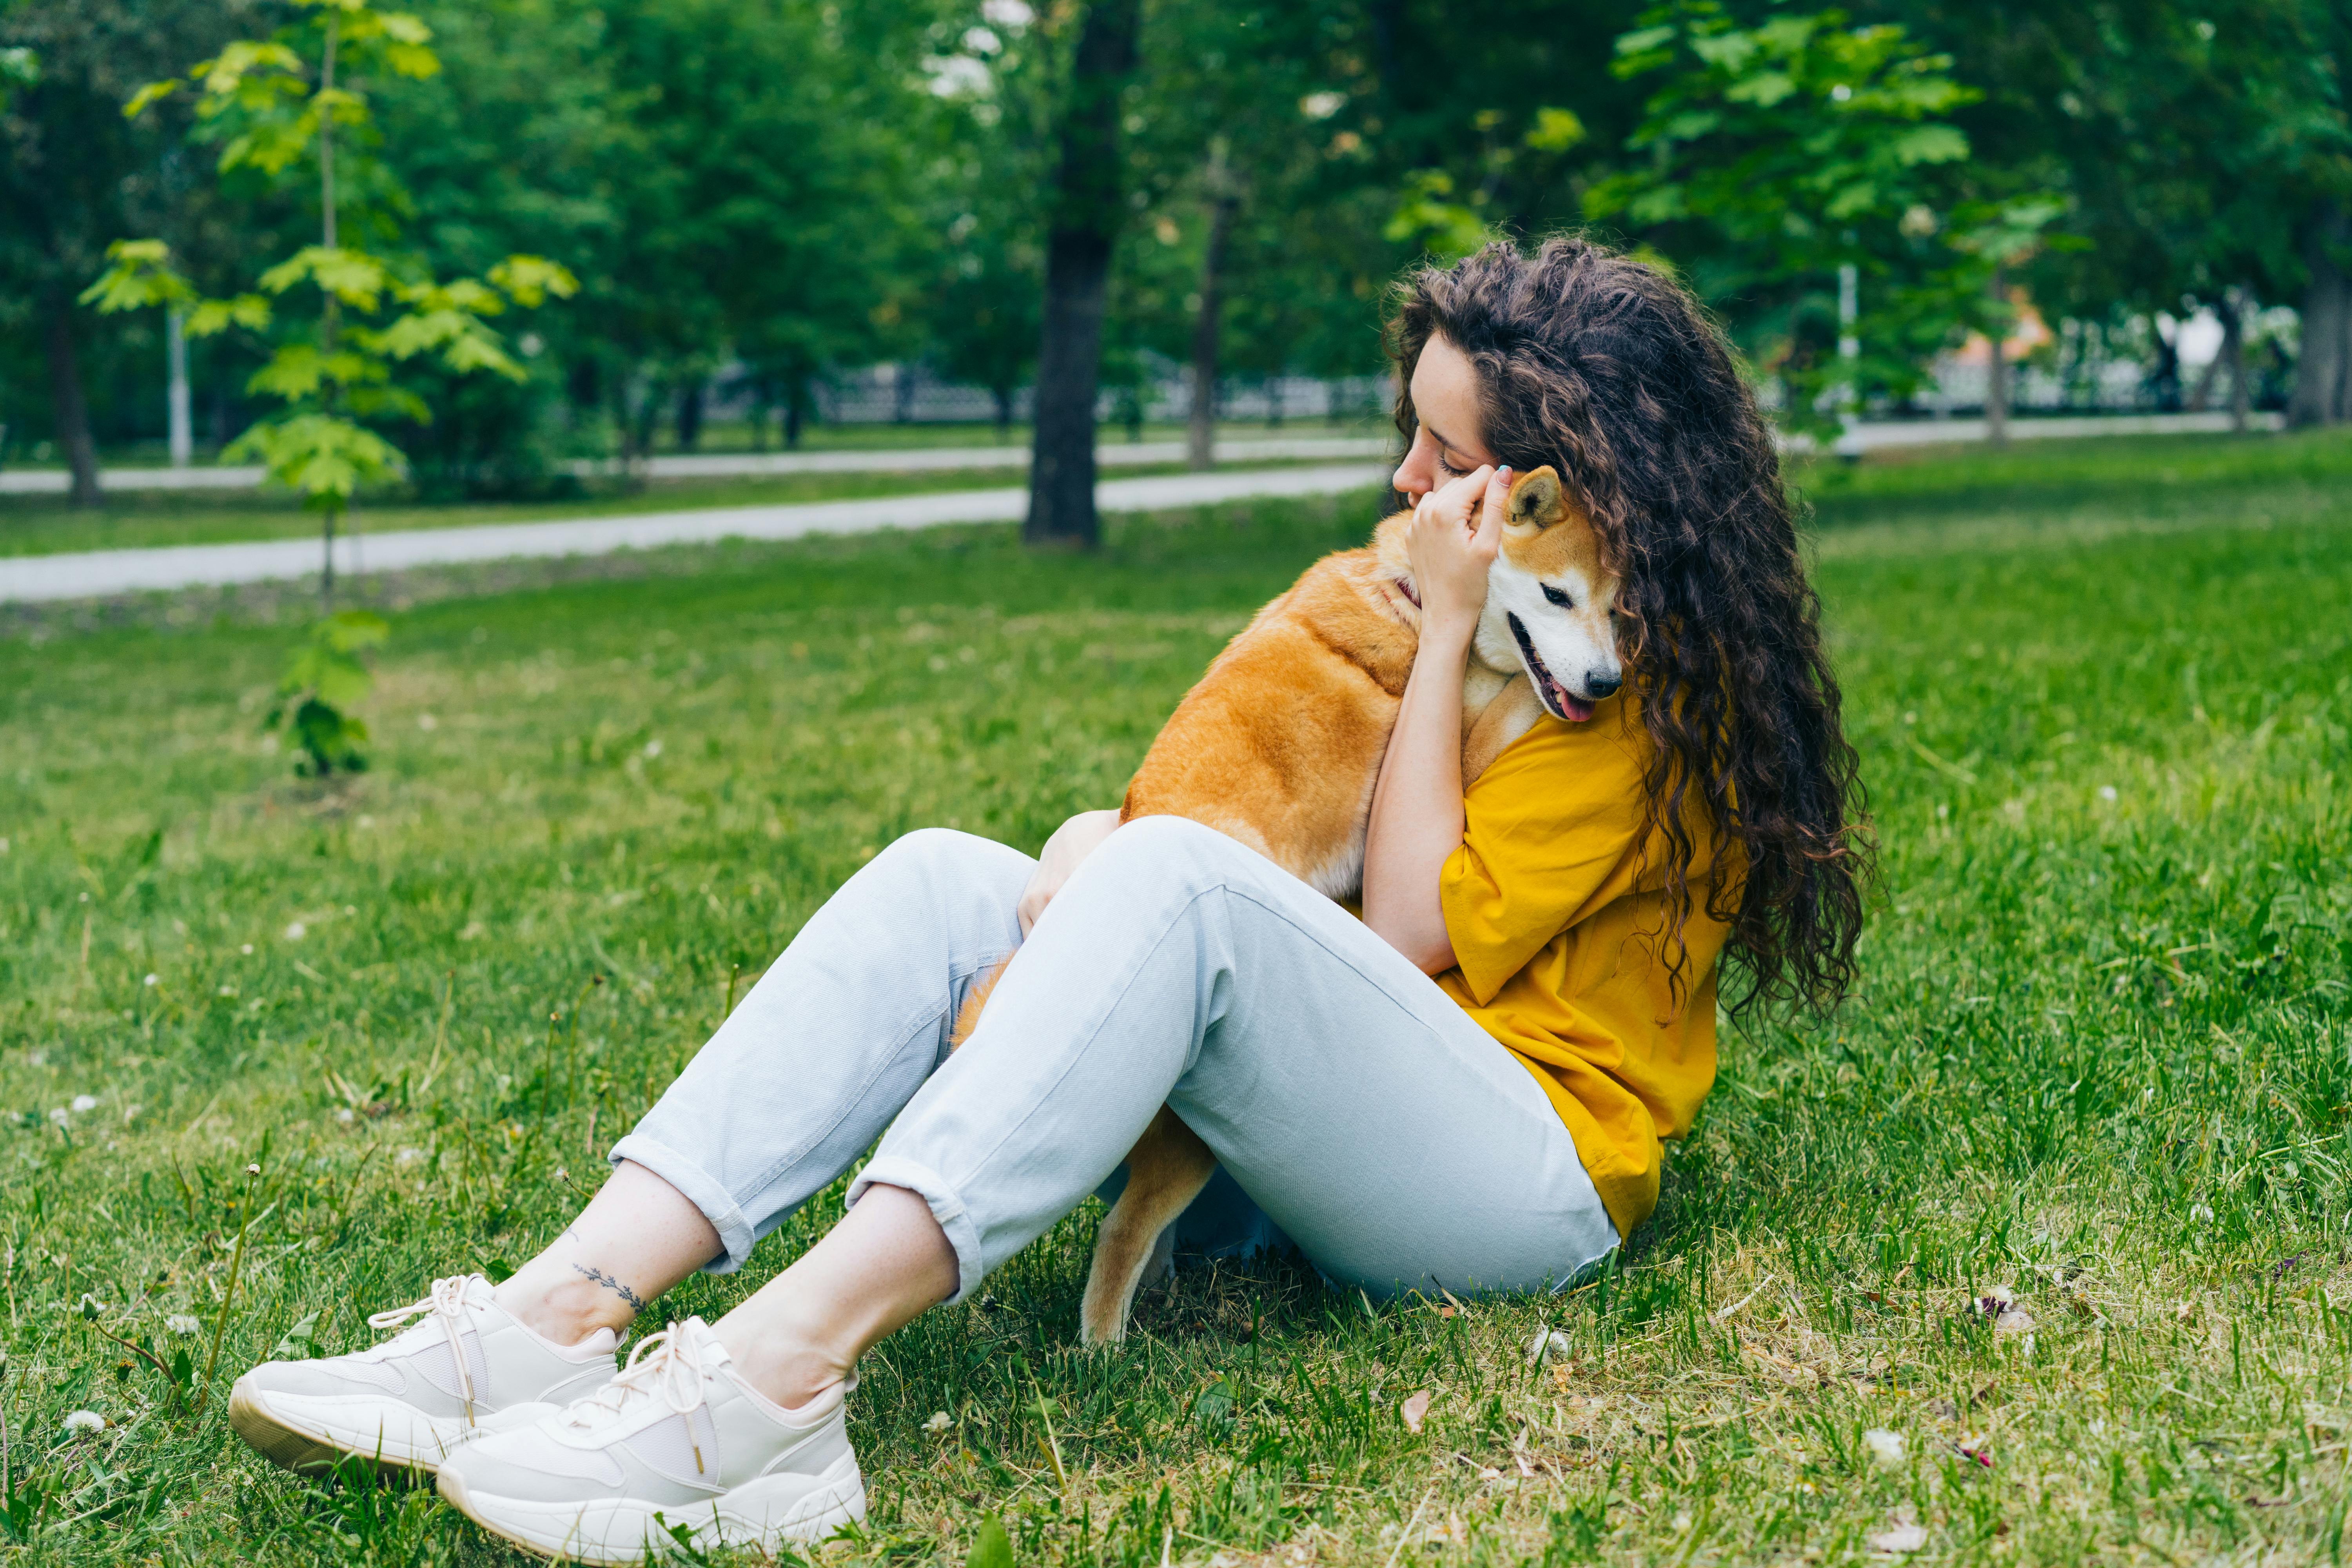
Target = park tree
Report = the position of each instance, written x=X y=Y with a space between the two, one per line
x=74 y=175
x=1086 y=210
x=2202 y=146
x=279 y=106
x=1807 y=175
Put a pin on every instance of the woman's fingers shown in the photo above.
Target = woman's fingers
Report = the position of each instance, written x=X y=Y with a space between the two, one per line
x=1487 y=536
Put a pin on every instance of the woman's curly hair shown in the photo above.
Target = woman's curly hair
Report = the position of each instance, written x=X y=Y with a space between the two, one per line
x=1611 y=371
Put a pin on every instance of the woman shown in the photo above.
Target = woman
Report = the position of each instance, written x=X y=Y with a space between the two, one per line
x=1466 y=1088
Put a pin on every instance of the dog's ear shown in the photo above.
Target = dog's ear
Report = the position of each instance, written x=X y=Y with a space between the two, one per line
x=1535 y=500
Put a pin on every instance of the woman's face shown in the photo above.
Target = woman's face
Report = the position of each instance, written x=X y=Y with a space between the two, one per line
x=1451 y=441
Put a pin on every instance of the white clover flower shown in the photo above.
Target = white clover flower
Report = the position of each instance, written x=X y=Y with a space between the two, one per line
x=81 y=1421
x=939 y=1422
x=1885 y=1447
x=151 y=980
x=83 y=1102
x=346 y=1115
x=2108 y=792
x=296 y=931
x=408 y=1157
x=58 y=1115
x=184 y=1324
x=247 y=949
x=653 y=748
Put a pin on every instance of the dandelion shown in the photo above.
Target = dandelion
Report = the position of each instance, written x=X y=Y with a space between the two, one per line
x=152 y=980
x=83 y=1102
x=81 y=1421
x=1549 y=1344
x=296 y=931
x=184 y=1324
x=939 y=1422
x=1885 y=1447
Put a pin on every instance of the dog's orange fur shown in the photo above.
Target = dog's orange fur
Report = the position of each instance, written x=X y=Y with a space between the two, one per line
x=1279 y=746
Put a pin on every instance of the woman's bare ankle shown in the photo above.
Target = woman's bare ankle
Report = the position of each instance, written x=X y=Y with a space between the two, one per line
x=564 y=1302
x=788 y=1370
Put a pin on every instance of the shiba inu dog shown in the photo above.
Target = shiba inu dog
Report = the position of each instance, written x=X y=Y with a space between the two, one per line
x=1280 y=744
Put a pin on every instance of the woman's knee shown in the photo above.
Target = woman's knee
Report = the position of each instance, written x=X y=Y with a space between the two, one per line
x=945 y=857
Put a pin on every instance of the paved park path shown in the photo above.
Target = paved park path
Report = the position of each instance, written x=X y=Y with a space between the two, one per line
x=93 y=573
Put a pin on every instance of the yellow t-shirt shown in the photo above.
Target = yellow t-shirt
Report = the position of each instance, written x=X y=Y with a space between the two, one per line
x=1559 y=920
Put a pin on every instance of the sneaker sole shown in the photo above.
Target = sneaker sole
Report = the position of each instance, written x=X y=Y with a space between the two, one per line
x=306 y=1439
x=616 y=1532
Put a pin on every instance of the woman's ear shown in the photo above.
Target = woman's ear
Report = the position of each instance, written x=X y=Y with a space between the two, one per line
x=1536 y=501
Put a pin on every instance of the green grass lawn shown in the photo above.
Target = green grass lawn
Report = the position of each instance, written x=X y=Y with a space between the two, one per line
x=2102 y=1058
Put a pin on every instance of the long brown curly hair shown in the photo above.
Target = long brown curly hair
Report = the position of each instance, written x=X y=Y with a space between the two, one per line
x=1610 y=371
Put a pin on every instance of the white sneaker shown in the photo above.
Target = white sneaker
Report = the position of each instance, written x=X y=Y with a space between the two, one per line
x=676 y=1449
x=466 y=1368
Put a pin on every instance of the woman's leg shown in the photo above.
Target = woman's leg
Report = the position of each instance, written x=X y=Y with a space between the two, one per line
x=1393 y=1139
x=799 y=1081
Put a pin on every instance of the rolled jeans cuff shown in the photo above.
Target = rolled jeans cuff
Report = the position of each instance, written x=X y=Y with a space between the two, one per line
x=700 y=1189
x=946 y=1207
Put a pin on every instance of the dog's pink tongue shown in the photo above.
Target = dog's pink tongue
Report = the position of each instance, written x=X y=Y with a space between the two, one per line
x=1577 y=711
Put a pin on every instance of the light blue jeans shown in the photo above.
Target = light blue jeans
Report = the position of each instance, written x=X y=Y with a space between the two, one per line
x=1356 y=1111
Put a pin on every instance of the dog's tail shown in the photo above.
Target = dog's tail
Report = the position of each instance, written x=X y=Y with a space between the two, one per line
x=968 y=1016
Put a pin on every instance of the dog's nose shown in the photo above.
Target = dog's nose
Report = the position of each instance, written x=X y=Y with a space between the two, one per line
x=1598 y=686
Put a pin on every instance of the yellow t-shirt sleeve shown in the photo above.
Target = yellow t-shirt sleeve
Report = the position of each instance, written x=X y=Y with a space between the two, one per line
x=1545 y=826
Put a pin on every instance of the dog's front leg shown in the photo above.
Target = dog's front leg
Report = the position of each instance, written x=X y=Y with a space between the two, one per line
x=1165 y=1172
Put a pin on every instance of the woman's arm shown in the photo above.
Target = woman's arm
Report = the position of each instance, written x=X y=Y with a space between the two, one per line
x=1417 y=820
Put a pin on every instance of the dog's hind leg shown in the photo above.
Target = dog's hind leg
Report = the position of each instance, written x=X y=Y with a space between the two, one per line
x=967 y=1018
x=1165 y=1172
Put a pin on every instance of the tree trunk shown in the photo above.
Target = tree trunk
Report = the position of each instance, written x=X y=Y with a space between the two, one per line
x=796 y=400
x=1201 y=432
x=1997 y=365
x=690 y=415
x=2233 y=354
x=182 y=428
x=2323 y=374
x=71 y=413
x=1085 y=215
x=1004 y=397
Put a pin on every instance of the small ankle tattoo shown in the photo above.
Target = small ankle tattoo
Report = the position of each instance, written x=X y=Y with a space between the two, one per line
x=606 y=1280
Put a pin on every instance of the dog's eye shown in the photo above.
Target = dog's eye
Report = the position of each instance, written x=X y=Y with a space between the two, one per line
x=1556 y=597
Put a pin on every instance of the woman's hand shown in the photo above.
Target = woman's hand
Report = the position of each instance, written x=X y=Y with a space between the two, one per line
x=1451 y=550
x=1071 y=844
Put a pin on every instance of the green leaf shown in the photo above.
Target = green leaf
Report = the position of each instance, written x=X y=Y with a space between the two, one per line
x=1763 y=89
x=991 y=1547
x=1642 y=40
x=348 y=631
x=154 y=92
x=297 y=1344
x=1929 y=144
x=1554 y=131
x=531 y=278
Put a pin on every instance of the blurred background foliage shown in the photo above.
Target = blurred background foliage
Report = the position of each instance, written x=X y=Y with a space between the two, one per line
x=759 y=195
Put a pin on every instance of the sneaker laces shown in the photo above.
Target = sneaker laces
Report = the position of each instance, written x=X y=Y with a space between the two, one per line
x=667 y=1365
x=445 y=1304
